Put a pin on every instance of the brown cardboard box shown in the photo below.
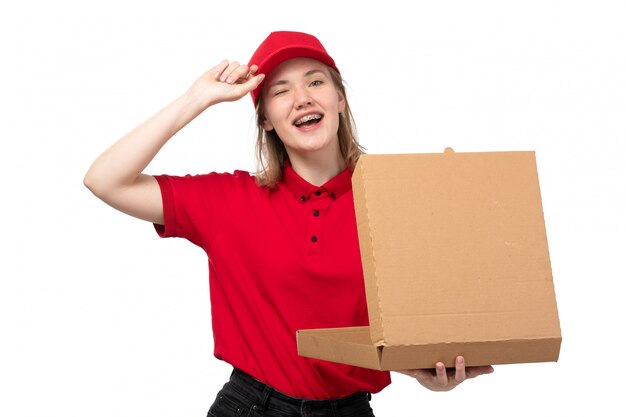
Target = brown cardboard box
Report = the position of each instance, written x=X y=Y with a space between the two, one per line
x=456 y=262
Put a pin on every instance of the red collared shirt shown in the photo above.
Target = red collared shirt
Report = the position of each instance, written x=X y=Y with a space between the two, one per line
x=280 y=260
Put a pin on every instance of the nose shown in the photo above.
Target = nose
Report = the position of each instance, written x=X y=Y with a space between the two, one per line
x=302 y=98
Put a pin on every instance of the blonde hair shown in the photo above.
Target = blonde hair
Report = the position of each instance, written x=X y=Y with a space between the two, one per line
x=270 y=150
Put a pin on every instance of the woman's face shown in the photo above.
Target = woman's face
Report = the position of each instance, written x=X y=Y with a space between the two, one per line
x=302 y=105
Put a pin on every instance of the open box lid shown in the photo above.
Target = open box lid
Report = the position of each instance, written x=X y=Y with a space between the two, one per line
x=455 y=255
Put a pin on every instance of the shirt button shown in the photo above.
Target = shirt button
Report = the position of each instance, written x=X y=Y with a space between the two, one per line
x=332 y=195
x=316 y=213
x=318 y=193
x=313 y=238
x=302 y=198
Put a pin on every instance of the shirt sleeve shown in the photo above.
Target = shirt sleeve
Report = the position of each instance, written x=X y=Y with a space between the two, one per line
x=194 y=206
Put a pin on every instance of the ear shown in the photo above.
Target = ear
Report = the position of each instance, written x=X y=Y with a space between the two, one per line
x=267 y=125
x=342 y=102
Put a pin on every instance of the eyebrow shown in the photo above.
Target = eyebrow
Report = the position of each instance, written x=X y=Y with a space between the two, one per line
x=306 y=74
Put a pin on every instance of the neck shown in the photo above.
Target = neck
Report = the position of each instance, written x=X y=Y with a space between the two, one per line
x=317 y=170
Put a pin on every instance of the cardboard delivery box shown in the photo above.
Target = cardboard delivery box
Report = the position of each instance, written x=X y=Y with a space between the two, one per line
x=455 y=259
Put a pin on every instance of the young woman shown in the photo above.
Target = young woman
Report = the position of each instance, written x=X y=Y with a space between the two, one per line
x=282 y=244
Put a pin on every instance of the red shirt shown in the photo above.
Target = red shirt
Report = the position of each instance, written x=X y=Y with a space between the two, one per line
x=280 y=260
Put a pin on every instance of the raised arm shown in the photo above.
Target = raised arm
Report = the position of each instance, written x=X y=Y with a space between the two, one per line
x=116 y=176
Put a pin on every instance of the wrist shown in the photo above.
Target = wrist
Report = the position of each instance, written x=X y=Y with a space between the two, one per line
x=198 y=99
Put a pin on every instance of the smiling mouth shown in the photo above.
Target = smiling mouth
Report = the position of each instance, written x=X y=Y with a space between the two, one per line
x=308 y=120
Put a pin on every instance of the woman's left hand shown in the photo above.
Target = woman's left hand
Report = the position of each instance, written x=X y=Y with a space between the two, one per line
x=441 y=379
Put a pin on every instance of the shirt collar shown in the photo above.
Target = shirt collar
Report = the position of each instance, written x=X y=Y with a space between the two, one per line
x=302 y=189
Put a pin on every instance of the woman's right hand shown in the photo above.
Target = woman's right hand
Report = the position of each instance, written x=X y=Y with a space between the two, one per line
x=227 y=81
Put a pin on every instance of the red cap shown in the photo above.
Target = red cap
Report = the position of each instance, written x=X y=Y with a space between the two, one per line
x=281 y=46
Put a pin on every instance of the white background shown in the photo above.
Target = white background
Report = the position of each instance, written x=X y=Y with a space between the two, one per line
x=100 y=317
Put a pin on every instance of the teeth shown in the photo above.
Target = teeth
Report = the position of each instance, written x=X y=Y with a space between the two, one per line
x=308 y=118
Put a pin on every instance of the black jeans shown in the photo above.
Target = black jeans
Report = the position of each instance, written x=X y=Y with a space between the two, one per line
x=245 y=396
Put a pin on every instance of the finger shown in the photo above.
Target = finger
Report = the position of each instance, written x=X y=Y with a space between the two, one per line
x=475 y=371
x=253 y=82
x=219 y=69
x=226 y=73
x=240 y=73
x=459 y=364
x=441 y=374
